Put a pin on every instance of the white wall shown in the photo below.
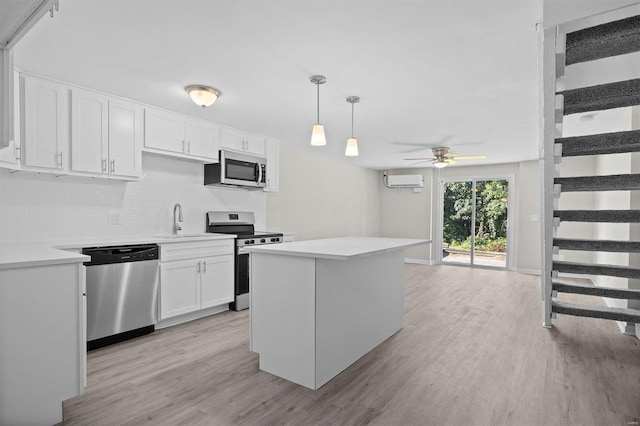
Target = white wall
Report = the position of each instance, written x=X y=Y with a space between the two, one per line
x=39 y=207
x=323 y=198
x=408 y=214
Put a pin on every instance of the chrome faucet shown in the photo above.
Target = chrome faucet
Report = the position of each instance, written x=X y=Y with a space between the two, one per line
x=177 y=218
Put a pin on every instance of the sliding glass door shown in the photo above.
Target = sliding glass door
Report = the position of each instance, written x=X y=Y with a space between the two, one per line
x=475 y=219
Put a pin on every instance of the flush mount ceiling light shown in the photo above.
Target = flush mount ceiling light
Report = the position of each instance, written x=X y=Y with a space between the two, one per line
x=317 y=135
x=203 y=96
x=352 y=143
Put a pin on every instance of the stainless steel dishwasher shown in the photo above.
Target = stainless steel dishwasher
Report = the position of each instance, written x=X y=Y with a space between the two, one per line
x=122 y=293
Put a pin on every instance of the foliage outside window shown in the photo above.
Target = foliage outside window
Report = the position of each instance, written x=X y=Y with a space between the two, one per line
x=491 y=215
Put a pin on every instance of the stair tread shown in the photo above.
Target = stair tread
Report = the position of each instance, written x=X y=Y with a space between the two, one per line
x=613 y=216
x=601 y=97
x=602 y=41
x=596 y=269
x=621 y=182
x=603 y=312
x=597 y=245
x=603 y=143
x=618 y=293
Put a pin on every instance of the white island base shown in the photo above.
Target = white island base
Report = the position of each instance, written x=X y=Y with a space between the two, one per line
x=318 y=306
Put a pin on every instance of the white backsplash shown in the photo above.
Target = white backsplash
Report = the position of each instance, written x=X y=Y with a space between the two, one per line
x=42 y=207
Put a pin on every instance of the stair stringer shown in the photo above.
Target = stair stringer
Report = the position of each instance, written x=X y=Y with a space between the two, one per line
x=552 y=72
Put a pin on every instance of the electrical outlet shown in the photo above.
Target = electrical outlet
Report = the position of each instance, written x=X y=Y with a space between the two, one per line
x=114 y=217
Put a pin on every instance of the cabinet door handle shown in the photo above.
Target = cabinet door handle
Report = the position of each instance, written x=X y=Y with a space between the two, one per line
x=104 y=165
x=204 y=266
x=60 y=159
x=189 y=147
x=113 y=166
x=18 y=153
x=198 y=267
x=183 y=147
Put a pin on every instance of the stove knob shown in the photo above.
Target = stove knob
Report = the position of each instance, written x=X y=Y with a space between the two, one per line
x=262 y=240
x=274 y=240
x=252 y=241
x=247 y=241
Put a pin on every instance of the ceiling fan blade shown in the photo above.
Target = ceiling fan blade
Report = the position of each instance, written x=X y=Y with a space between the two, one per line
x=420 y=158
x=420 y=162
x=450 y=161
x=470 y=157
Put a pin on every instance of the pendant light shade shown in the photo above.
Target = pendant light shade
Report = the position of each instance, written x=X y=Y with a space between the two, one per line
x=352 y=143
x=203 y=96
x=440 y=164
x=352 y=148
x=317 y=135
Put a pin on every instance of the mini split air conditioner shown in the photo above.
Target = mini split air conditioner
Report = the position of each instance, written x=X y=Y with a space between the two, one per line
x=405 y=181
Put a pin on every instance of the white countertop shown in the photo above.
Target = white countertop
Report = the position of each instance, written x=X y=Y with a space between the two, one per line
x=342 y=248
x=28 y=254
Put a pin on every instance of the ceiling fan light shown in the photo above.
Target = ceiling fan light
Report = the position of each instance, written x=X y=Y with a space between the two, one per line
x=317 y=135
x=203 y=96
x=440 y=164
x=352 y=148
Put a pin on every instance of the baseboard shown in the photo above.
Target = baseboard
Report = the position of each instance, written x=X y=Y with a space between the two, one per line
x=192 y=316
x=418 y=261
x=528 y=271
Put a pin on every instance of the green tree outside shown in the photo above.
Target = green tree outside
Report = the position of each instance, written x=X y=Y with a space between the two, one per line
x=491 y=215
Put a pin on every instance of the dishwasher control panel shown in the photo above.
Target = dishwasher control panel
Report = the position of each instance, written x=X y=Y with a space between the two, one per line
x=121 y=254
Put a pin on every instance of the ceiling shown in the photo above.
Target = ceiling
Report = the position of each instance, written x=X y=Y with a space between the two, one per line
x=461 y=73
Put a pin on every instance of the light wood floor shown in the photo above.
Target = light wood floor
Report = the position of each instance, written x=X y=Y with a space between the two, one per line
x=472 y=352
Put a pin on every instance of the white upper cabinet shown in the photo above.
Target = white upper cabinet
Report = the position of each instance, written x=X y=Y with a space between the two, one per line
x=125 y=138
x=46 y=124
x=273 y=159
x=177 y=135
x=163 y=130
x=89 y=131
x=203 y=138
x=10 y=154
x=106 y=135
x=240 y=141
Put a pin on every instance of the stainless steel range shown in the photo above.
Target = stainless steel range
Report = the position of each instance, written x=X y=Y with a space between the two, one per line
x=242 y=225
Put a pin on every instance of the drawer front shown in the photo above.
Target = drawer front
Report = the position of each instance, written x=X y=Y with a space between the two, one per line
x=190 y=250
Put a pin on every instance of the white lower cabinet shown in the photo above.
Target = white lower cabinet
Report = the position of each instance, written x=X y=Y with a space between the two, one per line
x=179 y=288
x=43 y=341
x=215 y=276
x=195 y=276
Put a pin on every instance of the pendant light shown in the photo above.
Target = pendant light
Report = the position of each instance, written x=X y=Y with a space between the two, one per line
x=352 y=143
x=317 y=135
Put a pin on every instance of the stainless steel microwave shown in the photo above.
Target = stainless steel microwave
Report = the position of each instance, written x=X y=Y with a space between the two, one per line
x=237 y=169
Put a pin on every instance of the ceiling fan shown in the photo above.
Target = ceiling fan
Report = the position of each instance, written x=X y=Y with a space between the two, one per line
x=442 y=157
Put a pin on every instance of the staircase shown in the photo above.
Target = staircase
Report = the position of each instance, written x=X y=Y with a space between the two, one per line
x=592 y=39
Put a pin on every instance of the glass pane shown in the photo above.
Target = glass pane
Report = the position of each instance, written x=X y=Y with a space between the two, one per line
x=240 y=170
x=491 y=223
x=456 y=223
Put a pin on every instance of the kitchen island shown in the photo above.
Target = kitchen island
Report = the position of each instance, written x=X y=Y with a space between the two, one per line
x=318 y=306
